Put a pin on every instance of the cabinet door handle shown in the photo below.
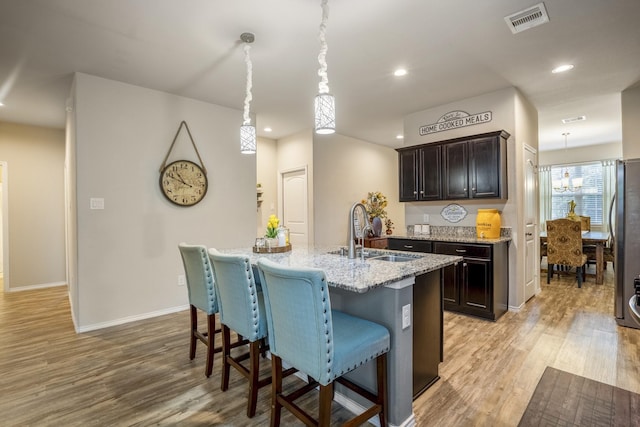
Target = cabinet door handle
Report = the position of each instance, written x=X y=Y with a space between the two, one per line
x=408 y=246
x=421 y=191
x=461 y=251
x=528 y=234
x=473 y=189
x=415 y=192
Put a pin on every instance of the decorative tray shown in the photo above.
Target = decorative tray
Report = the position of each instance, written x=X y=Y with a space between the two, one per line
x=273 y=250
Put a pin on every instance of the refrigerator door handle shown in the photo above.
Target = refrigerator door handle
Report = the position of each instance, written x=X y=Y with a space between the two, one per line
x=611 y=229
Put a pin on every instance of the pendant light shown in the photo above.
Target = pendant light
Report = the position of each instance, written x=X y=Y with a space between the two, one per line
x=566 y=184
x=247 y=130
x=325 y=105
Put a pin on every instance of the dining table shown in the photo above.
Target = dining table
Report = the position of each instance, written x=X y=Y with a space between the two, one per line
x=597 y=238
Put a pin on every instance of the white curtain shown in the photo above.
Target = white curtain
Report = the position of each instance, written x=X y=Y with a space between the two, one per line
x=608 y=189
x=544 y=177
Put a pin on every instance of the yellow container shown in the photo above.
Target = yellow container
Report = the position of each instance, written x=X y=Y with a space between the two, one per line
x=488 y=224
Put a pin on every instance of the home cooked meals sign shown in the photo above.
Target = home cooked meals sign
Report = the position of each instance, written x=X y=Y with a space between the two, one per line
x=455 y=120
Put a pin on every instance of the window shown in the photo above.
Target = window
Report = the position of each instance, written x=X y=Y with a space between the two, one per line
x=588 y=198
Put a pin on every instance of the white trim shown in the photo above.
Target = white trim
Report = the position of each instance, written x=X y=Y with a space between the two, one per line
x=130 y=319
x=517 y=308
x=5 y=225
x=355 y=408
x=39 y=286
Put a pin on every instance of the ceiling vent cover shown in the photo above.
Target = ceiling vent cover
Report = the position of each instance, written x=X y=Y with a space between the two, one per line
x=574 y=119
x=528 y=18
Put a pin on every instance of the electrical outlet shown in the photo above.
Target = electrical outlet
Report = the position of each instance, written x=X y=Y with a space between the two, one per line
x=182 y=280
x=96 y=203
x=425 y=218
x=406 y=316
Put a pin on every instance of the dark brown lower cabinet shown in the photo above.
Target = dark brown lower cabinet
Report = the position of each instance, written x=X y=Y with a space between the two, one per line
x=479 y=284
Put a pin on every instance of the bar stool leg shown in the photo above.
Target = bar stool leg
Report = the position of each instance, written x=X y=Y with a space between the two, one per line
x=276 y=390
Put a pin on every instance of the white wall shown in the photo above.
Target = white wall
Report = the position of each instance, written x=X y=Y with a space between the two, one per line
x=510 y=112
x=127 y=257
x=267 y=176
x=631 y=122
x=295 y=152
x=346 y=169
x=590 y=153
x=35 y=190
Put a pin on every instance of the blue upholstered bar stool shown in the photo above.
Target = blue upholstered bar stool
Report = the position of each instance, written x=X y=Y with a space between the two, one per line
x=242 y=310
x=323 y=343
x=202 y=296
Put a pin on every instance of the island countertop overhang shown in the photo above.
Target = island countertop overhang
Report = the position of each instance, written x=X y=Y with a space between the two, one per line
x=354 y=275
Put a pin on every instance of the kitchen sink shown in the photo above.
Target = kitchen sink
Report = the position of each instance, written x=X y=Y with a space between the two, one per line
x=394 y=258
x=379 y=255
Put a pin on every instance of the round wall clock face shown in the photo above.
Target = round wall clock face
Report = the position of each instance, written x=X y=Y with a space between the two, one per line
x=183 y=183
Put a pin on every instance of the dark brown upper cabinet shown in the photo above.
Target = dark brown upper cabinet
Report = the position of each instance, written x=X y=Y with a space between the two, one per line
x=420 y=170
x=473 y=167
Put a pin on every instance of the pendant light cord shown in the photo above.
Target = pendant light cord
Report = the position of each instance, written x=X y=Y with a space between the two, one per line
x=248 y=97
x=323 y=86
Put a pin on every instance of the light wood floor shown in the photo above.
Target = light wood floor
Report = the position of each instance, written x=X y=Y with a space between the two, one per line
x=140 y=373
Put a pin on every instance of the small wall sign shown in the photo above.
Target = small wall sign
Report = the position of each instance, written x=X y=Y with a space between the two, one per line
x=455 y=120
x=453 y=213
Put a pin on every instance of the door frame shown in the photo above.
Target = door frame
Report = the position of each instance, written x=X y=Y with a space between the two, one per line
x=536 y=222
x=281 y=176
x=5 y=225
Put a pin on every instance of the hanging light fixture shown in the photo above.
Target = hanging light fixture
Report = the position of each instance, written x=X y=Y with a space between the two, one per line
x=566 y=184
x=325 y=105
x=247 y=130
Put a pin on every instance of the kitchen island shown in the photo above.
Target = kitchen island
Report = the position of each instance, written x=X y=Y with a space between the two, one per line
x=382 y=291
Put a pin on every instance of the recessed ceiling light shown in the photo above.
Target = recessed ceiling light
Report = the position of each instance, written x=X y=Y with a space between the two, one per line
x=399 y=136
x=268 y=129
x=400 y=72
x=562 y=68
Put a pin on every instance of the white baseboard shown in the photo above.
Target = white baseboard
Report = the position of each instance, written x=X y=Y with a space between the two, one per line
x=129 y=319
x=39 y=286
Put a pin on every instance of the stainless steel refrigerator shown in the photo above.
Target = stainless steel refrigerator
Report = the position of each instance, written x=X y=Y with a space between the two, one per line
x=626 y=233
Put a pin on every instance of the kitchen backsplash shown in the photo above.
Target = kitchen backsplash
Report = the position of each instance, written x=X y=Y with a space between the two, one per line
x=462 y=231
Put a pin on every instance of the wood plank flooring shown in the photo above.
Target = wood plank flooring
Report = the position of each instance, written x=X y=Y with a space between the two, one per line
x=140 y=373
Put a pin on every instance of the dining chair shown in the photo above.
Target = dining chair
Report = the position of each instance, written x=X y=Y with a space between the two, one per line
x=608 y=253
x=564 y=247
x=202 y=296
x=241 y=306
x=325 y=344
x=585 y=223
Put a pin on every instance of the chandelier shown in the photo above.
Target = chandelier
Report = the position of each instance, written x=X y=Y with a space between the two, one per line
x=566 y=184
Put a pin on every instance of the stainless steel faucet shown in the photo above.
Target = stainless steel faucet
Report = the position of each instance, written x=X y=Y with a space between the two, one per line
x=351 y=238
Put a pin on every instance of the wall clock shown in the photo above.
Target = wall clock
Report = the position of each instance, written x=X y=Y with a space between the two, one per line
x=183 y=183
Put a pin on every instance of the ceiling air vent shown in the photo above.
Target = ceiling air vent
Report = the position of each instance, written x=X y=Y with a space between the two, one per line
x=528 y=18
x=574 y=119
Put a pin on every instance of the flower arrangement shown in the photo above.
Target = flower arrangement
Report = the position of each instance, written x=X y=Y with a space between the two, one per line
x=272 y=227
x=375 y=204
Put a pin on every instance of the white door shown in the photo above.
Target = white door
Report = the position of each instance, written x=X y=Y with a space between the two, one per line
x=532 y=239
x=294 y=205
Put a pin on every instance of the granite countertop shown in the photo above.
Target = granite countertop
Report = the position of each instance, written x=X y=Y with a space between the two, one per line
x=451 y=238
x=353 y=274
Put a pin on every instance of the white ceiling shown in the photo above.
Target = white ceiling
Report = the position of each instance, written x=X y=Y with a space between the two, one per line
x=453 y=49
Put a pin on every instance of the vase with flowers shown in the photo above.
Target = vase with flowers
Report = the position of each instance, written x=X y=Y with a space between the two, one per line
x=271 y=235
x=375 y=205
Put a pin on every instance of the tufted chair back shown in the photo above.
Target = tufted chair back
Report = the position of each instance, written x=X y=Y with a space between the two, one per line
x=564 y=243
x=240 y=307
x=199 y=276
x=299 y=318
